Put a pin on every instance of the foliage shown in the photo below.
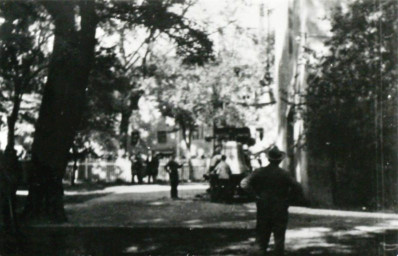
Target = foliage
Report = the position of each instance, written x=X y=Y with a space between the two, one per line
x=99 y=122
x=223 y=92
x=116 y=81
x=114 y=86
x=352 y=102
x=193 y=45
x=214 y=94
x=23 y=59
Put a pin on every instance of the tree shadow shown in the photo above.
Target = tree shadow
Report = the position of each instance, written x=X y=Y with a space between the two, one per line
x=65 y=241
x=68 y=199
x=376 y=244
x=79 y=199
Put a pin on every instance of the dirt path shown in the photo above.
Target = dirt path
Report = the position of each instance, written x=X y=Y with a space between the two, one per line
x=142 y=220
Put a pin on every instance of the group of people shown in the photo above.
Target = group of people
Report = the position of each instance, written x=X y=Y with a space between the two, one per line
x=150 y=169
x=140 y=170
x=220 y=179
x=272 y=187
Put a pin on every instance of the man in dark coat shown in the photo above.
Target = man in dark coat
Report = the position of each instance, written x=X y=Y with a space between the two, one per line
x=273 y=188
x=153 y=167
x=137 y=169
x=172 y=168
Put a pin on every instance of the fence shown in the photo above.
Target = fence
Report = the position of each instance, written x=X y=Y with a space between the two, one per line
x=120 y=171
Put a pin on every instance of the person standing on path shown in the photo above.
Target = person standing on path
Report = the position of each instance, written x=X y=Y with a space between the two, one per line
x=153 y=167
x=224 y=174
x=137 y=169
x=172 y=168
x=273 y=188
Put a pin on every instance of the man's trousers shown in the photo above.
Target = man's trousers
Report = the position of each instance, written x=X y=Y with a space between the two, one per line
x=174 y=190
x=271 y=220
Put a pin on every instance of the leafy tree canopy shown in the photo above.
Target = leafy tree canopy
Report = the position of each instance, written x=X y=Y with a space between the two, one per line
x=352 y=95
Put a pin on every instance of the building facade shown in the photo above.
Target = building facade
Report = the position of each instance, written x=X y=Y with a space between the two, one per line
x=300 y=25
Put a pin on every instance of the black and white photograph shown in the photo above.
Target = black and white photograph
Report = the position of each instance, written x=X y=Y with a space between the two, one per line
x=198 y=127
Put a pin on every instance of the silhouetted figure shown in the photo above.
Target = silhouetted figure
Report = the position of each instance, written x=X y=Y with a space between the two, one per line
x=246 y=156
x=9 y=172
x=212 y=176
x=153 y=168
x=137 y=169
x=224 y=174
x=273 y=188
x=172 y=168
x=215 y=159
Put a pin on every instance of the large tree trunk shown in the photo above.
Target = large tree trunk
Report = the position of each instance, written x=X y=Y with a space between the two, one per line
x=10 y=171
x=333 y=179
x=124 y=127
x=61 y=108
x=12 y=119
x=188 y=143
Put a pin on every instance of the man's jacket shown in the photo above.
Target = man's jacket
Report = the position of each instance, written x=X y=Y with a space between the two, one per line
x=223 y=171
x=172 y=168
x=273 y=186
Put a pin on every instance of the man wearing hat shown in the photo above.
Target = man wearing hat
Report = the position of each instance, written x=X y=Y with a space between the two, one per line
x=172 y=168
x=272 y=187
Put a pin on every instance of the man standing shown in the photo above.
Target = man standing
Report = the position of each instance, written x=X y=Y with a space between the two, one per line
x=172 y=168
x=272 y=187
x=152 y=168
x=137 y=169
x=215 y=159
x=224 y=173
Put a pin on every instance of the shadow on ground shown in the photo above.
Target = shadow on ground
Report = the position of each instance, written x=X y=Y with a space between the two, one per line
x=79 y=199
x=68 y=241
x=68 y=199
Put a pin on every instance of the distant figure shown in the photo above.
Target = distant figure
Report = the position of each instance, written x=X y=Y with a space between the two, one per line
x=9 y=171
x=224 y=174
x=215 y=159
x=172 y=168
x=273 y=188
x=137 y=169
x=246 y=156
x=153 y=168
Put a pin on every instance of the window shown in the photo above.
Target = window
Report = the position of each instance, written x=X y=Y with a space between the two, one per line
x=162 y=137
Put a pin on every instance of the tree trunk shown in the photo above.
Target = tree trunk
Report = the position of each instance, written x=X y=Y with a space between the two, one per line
x=189 y=157
x=333 y=180
x=125 y=121
x=187 y=141
x=124 y=127
x=61 y=108
x=10 y=170
x=75 y=156
x=126 y=115
x=12 y=119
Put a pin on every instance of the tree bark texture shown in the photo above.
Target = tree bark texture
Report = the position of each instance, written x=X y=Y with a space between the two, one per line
x=12 y=119
x=61 y=107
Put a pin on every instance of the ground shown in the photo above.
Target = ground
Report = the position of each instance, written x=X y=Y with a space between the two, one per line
x=142 y=220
